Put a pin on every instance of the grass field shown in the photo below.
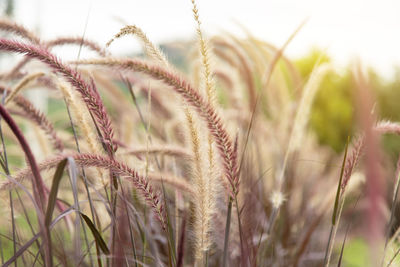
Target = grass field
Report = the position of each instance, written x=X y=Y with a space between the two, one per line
x=219 y=151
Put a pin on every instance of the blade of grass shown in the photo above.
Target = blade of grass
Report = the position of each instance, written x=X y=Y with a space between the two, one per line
x=53 y=198
x=34 y=238
x=4 y=164
x=27 y=219
x=170 y=235
x=54 y=190
x=96 y=234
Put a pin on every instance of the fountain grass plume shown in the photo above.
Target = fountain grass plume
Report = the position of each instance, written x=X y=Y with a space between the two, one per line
x=87 y=90
x=23 y=84
x=168 y=150
x=382 y=127
x=38 y=117
x=204 y=182
x=150 y=49
x=77 y=41
x=19 y=30
x=203 y=199
x=192 y=97
x=204 y=51
x=81 y=118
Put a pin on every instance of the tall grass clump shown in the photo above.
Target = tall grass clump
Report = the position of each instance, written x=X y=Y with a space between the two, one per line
x=143 y=162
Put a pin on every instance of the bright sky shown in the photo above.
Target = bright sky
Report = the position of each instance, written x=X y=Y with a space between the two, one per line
x=348 y=29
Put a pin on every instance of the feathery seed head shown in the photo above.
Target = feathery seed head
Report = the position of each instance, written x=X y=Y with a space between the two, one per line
x=277 y=198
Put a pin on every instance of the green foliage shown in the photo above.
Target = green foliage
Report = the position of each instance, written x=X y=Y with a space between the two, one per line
x=306 y=64
x=356 y=253
x=332 y=113
x=387 y=93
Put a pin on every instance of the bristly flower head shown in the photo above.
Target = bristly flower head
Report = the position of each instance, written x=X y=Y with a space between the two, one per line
x=277 y=198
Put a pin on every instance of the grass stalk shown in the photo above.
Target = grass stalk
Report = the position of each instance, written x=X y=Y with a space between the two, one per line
x=227 y=229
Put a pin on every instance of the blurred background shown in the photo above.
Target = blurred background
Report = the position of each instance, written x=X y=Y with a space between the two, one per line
x=345 y=29
x=342 y=32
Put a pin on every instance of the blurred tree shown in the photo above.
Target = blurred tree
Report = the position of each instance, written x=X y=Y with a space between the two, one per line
x=10 y=8
x=307 y=63
x=332 y=113
x=388 y=94
x=7 y=7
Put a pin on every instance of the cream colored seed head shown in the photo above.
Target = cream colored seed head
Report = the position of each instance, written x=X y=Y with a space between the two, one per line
x=277 y=198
